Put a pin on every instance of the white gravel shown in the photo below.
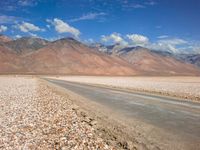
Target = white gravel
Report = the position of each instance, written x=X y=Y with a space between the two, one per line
x=184 y=87
x=33 y=116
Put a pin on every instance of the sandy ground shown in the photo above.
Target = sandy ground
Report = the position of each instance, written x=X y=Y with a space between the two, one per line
x=33 y=116
x=182 y=87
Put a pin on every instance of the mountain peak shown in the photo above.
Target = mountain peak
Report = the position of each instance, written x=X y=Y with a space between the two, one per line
x=4 y=38
x=26 y=44
x=31 y=39
x=66 y=40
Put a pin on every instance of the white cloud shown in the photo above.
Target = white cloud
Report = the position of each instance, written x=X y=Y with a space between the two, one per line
x=173 y=41
x=4 y=19
x=48 y=26
x=137 y=39
x=27 y=2
x=113 y=38
x=63 y=27
x=132 y=6
x=27 y=27
x=193 y=46
x=18 y=36
x=89 y=16
x=33 y=34
x=162 y=36
x=173 y=45
x=197 y=50
x=3 y=28
x=90 y=40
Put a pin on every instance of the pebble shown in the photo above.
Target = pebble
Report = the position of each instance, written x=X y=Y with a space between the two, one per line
x=33 y=116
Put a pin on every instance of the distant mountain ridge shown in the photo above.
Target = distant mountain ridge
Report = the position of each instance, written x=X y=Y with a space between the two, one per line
x=64 y=56
x=4 y=38
x=30 y=55
x=190 y=58
x=26 y=44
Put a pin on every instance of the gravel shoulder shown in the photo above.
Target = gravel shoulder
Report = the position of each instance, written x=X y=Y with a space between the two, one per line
x=34 y=116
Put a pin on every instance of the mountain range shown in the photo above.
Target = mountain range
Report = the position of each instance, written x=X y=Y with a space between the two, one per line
x=67 y=56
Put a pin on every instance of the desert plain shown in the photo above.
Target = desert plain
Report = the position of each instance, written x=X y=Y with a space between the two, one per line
x=36 y=114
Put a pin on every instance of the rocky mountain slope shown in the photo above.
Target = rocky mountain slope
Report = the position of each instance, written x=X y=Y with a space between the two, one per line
x=151 y=62
x=154 y=63
x=191 y=58
x=68 y=56
x=30 y=55
x=64 y=56
x=26 y=44
x=4 y=38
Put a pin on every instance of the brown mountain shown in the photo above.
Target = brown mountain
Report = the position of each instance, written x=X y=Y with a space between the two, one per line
x=153 y=63
x=9 y=61
x=68 y=56
x=26 y=44
x=64 y=56
x=190 y=58
x=4 y=39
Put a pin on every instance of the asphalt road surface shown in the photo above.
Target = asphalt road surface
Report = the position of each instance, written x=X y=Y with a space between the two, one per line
x=180 y=117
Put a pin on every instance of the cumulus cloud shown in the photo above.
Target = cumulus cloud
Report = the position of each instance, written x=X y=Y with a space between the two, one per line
x=63 y=27
x=33 y=34
x=173 y=45
x=197 y=50
x=113 y=38
x=18 y=36
x=3 y=28
x=137 y=39
x=173 y=41
x=4 y=19
x=89 y=41
x=89 y=16
x=54 y=38
x=192 y=47
x=164 y=43
x=28 y=27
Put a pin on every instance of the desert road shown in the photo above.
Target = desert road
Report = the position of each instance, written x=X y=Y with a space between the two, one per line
x=179 y=117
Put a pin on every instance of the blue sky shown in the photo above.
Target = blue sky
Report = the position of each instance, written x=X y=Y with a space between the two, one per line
x=171 y=25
